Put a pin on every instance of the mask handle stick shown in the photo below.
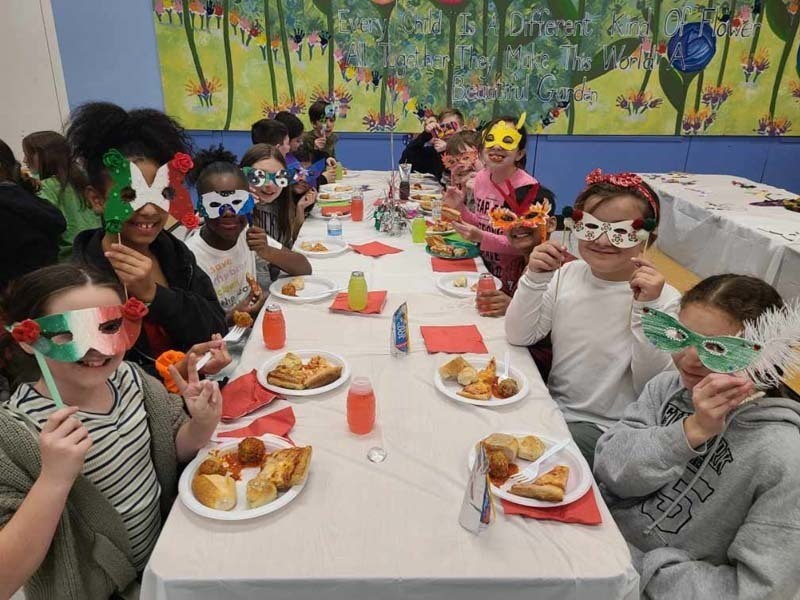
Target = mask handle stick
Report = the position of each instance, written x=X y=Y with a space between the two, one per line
x=48 y=379
x=124 y=287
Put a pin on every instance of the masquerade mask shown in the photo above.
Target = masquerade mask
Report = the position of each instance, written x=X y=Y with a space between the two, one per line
x=535 y=217
x=622 y=234
x=214 y=204
x=300 y=173
x=505 y=136
x=129 y=190
x=721 y=354
x=465 y=160
x=259 y=178
x=445 y=130
x=331 y=110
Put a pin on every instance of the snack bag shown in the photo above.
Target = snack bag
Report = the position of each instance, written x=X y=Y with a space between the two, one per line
x=400 y=344
x=477 y=509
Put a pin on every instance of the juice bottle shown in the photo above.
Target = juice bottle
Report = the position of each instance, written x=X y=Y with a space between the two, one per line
x=339 y=171
x=273 y=327
x=485 y=284
x=418 y=230
x=357 y=207
x=361 y=406
x=357 y=291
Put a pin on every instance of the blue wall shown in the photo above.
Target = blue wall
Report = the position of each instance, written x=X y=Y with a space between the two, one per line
x=108 y=50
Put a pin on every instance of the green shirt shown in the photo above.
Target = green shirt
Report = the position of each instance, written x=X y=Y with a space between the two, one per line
x=330 y=145
x=78 y=216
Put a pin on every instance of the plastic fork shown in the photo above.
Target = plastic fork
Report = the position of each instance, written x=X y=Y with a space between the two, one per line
x=507 y=363
x=233 y=336
x=531 y=472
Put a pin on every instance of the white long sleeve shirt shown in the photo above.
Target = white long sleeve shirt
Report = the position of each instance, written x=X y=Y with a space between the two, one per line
x=601 y=358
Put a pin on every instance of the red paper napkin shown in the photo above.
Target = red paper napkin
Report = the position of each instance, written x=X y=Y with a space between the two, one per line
x=375 y=303
x=244 y=395
x=583 y=511
x=441 y=265
x=374 y=249
x=329 y=211
x=279 y=423
x=453 y=339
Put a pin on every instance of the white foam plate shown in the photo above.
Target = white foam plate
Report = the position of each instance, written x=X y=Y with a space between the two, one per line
x=451 y=387
x=305 y=355
x=240 y=512
x=331 y=187
x=426 y=187
x=579 y=481
x=316 y=288
x=335 y=247
x=445 y=284
x=317 y=213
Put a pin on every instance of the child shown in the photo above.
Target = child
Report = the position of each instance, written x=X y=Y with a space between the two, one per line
x=321 y=141
x=272 y=132
x=62 y=182
x=31 y=227
x=500 y=184
x=462 y=161
x=704 y=487
x=275 y=210
x=83 y=525
x=304 y=185
x=155 y=266
x=424 y=152
x=224 y=247
x=295 y=128
x=601 y=358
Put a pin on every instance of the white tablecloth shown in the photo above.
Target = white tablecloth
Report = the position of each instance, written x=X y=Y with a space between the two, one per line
x=361 y=530
x=709 y=225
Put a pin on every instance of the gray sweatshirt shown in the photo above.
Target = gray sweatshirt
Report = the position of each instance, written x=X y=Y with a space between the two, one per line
x=721 y=521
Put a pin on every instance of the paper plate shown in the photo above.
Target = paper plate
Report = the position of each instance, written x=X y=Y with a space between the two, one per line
x=337 y=187
x=240 y=512
x=445 y=284
x=472 y=250
x=318 y=214
x=335 y=247
x=305 y=355
x=451 y=387
x=580 y=477
x=316 y=288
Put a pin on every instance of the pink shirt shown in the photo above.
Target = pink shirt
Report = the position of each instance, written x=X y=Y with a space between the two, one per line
x=499 y=256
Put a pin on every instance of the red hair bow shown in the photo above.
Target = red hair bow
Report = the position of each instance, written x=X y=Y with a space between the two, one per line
x=629 y=181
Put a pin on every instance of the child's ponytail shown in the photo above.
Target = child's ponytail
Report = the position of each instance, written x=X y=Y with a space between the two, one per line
x=11 y=170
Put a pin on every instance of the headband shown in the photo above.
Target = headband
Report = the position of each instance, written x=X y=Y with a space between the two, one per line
x=629 y=181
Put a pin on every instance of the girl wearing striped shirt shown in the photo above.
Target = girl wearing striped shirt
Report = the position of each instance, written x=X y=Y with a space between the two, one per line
x=83 y=524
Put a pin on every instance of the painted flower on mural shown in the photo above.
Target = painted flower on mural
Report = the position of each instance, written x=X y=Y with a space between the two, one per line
x=218 y=11
x=692 y=47
x=313 y=41
x=792 y=6
x=794 y=89
x=375 y=122
x=696 y=121
x=714 y=96
x=296 y=43
x=158 y=8
x=261 y=42
x=755 y=65
x=773 y=127
x=275 y=45
x=634 y=101
x=296 y=106
x=204 y=92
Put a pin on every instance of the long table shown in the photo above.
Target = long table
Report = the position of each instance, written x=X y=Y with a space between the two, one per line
x=711 y=225
x=363 y=530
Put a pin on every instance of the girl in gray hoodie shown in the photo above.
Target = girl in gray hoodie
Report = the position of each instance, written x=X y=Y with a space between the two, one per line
x=704 y=486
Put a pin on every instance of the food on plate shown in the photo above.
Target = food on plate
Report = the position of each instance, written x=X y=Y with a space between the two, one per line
x=242 y=319
x=505 y=443
x=476 y=391
x=324 y=196
x=212 y=465
x=506 y=388
x=530 y=447
x=287 y=467
x=343 y=188
x=439 y=226
x=450 y=214
x=214 y=491
x=289 y=289
x=460 y=282
x=498 y=464
x=489 y=373
x=313 y=247
x=292 y=373
x=251 y=451
x=425 y=200
x=550 y=487
x=452 y=368
x=417 y=186
x=459 y=251
x=467 y=376
x=474 y=287
x=260 y=491
x=252 y=282
x=298 y=283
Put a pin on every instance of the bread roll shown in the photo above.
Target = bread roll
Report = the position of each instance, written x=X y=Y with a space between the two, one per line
x=215 y=491
x=301 y=465
x=451 y=369
x=260 y=491
x=298 y=283
x=467 y=376
x=506 y=443
x=530 y=447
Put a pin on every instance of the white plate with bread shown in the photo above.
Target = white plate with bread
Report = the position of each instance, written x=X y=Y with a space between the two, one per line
x=277 y=474
x=562 y=479
x=308 y=288
x=303 y=373
x=462 y=284
x=320 y=247
x=478 y=380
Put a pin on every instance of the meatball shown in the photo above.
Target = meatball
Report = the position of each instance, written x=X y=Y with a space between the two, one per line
x=211 y=466
x=251 y=451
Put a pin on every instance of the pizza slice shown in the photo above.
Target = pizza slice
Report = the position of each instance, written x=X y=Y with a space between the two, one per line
x=488 y=374
x=550 y=487
x=477 y=391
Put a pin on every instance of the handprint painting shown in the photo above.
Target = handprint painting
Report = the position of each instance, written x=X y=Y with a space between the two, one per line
x=613 y=67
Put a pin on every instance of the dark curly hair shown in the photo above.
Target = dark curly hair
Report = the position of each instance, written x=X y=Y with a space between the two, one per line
x=215 y=160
